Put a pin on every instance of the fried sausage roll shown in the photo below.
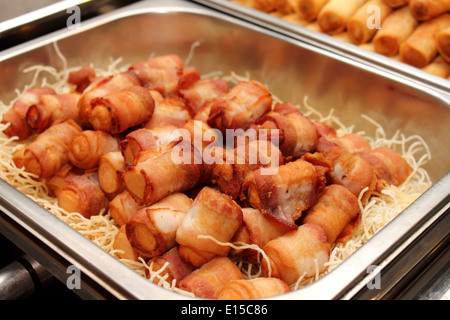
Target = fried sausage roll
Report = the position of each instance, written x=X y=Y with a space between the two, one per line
x=174 y=268
x=285 y=195
x=122 y=207
x=86 y=148
x=208 y=280
x=256 y=229
x=52 y=108
x=171 y=111
x=101 y=87
x=297 y=253
x=150 y=180
x=241 y=106
x=110 y=167
x=151 y=230
x=257 y=288
x=297 y=133
x=212 y=214
x=16 y=116
x=83 y=194
x=119 y=111
x=49 y=151
x=336 y=208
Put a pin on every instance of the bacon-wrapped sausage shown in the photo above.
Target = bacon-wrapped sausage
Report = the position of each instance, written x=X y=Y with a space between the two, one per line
x=101 y=87
x=82 y=78
x=335 y=211
x=83 y=194
x=159 y=175
x=110 y=166
x=202 y=91
x=286 y=194
x=122 y=246
x=122 y=207
x=16 y=116
x=208 y=280
x=49 y=151
x=257 y=288
x=175 y=268
x=119 y=111
x=297 y=253
x=86 y=148
x=212 y=214
x=256 y=229
x=152 y=230
x=240 y=107
x=171 y=111
x=297 y=133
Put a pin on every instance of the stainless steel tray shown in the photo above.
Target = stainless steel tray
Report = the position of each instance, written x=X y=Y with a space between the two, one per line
x=323 y=40
x=292 y=70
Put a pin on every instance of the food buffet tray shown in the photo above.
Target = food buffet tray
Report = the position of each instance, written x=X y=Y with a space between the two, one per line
x=294 y=69
x=323 y=40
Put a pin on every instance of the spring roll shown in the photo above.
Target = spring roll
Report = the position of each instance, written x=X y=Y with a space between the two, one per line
x=297 y=253
x=421 y=46
x=362 y=26
x=396 y=28
x=308 y=9
x=212 y=214
x=257 y=288
x=86 y=148
x=152 y=230
x=424 y=10
x=262 y=5
x=438 y=67
x=335 y=14
x=208 y=280
x=396 y=3
x=443 y=43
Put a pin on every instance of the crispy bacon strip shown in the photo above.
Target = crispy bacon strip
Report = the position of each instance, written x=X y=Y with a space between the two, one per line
x=86 y=148
x=119 y=111
x=101 y=87
x=175 y=268
x=83 y=194
x=122 y=207
x=212 y=214
x=285 y=195
x=256 y=229
x=151 y=179
x=257 y=288
x=208 y=280
x=171 y=111
x=16 y=116
x=297 y=133
x=335 y=210
x=152 y=230
x=110 y=167
x=241 y=106
x=297 y=253
x=49 y=151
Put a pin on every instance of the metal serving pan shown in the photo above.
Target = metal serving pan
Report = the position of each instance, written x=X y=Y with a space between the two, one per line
x=324 y=40
x=292 y=70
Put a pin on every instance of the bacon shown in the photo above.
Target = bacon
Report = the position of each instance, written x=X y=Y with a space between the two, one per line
x=285 y=195
x=48 y=153
x=86 y=148
x=240 y=107
x=297 y=253
x=101 y=87
x=391 y=168
x=122 y=207
x=171 y=111
x=82 y=78
x=209 y=280
x=297 y=133
x=256 y=229
x=257 y=288
x=16 y=116
x=158 y=175
x=335 y=210
x=212 y=214
x=202 y=91
x=83 y=194
x=119 y=111
x=152 y=230
x=110 y=167
x=170 y=266
x=122 y=246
